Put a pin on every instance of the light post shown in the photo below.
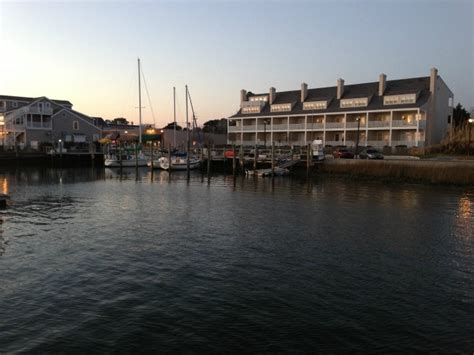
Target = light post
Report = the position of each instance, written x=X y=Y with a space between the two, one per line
x=2 y=123
x=471 y=122
x=265 y=122
x=357 y=140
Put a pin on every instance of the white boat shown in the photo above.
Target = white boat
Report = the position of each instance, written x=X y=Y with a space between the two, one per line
x=318 y=150
x=178 y=163
x=127 y=161
x=268 y=172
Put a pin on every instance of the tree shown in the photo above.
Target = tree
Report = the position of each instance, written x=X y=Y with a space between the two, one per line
x=460 y=115
x=120 y=121
x=216 y=126
x=171 y=126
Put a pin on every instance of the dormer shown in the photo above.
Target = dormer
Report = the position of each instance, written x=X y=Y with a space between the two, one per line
x=252 y=106
x=400 y=99
x=356 y=102
x=281 y=107
x=315 y=105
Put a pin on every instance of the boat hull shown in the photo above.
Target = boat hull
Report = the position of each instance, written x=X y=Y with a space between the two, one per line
x=129 y=163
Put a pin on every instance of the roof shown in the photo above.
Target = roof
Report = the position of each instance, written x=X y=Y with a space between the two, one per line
x=419 y=85
x=23 y=98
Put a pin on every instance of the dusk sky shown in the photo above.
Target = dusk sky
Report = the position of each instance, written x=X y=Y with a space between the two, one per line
x=86 y=52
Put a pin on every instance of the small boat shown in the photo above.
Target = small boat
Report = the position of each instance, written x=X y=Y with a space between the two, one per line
x=178 y=163
x=126 y=161
x=318 y=150
x=268 y=172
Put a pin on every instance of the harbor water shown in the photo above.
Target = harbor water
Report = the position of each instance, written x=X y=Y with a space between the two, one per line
x=95 y=260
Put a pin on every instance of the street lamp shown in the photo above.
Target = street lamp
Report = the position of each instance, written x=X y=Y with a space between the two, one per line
x=357 y=140
x=471 y=122
x=265 y=122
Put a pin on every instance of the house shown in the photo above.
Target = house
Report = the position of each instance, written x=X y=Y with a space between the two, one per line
x=413 y=112
x=35 y=122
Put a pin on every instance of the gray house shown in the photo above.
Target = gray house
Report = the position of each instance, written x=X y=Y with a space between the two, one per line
x=35 y=122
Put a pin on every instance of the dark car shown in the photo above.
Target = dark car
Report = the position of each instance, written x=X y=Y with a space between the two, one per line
x=370 y=154
x=342 y=153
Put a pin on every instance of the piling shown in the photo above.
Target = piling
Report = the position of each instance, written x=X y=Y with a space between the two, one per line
x=120 y=158
x=255 y=157
x=208 y=161
x=241 y=158
x=169 y=159
x=273 y=160
x=233 y=160
x=308 y=159
x=151 y=155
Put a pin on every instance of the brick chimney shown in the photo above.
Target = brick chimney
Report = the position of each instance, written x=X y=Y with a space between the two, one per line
x=340 y=88
x=243 y=96
x=433 y=80
x=304 y=91
x=382 y=83
x=272 y=95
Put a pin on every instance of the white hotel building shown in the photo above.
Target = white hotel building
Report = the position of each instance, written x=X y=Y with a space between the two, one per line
x=413 y=112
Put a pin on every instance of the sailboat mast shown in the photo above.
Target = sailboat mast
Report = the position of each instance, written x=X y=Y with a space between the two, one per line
x=187 y=131
x=139 y=105
x=174 y=115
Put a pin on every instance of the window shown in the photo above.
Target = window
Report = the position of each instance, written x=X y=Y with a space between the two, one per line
x=315 y=105
x=75 y=125
x=251 y=109
x=450 y=102
x=2 y=105
x=14 y=104
x=281 y=107
x=354 y=102
x=449 y=119
x=47 y=105
x=399 y=99
x=259 y=98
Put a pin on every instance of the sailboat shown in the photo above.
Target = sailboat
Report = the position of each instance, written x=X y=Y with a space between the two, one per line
x=180 y=160
x=130 y=158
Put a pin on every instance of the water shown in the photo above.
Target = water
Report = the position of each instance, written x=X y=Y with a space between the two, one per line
x=90 y=260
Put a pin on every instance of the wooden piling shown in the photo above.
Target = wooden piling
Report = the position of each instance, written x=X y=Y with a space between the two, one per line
x=241 y=158
x=169 y=159
x=308 y=158
x=120 y=156
x=233 y=160
x=273 y=160
x=255 y=157
x=151 y=155
x=208 y=161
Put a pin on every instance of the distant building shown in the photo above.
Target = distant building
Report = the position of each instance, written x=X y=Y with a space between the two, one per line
x=414 y=112
x=31 y=122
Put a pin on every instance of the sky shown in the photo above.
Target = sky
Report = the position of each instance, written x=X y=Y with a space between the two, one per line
x=86 y=51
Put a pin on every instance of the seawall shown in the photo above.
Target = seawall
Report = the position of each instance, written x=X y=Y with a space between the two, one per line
x=426 y=171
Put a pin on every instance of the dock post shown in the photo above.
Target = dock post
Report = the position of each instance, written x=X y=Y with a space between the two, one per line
x=151 y=156
x=255 y=157
x=208 y=161
x=120 y=158
x=273 y=160
x=136 y=156
x=308 y=159
x=241 y=159
x=233 y=160
x=169 y=159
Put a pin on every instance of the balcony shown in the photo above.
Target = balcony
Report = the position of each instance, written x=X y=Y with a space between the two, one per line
x=250 y=128
x=330 y=125
x=354 y=125
x=378 y=144
x=315 y=126
x=297 y=126
x=402 y=123
x=375 y=124
x=235 y=129
x=334 y=143
x=39 y=125
x=280 y=127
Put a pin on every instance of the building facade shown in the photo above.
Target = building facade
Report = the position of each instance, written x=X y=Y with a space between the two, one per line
x=414 y=112
x=34 y=122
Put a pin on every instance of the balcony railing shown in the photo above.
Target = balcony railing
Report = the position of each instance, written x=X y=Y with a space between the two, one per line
x=280 y=127
x=249 y=128
x=294 y=126
x=334 y=143
x=235 y=128
x=313 y=126
x=334 y=125
x=379 y=123
x=378 y=144
x=402 y=123
x=354 y=125
x=39 y=125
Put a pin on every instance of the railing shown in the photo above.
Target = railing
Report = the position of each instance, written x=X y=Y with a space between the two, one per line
x=39 y=125
x=36 y=110
x=280 y=127
x=296 y=126
x=334 y=124
x=379 y=124
x=250 y=128
x=379 y=144
x=334 y=143
x=402 y=123
x=313 y=126
x=235 y=128
x=354 y=125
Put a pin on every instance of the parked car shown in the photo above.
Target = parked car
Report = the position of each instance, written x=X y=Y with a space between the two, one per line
x=370 y=154
x=342 y=153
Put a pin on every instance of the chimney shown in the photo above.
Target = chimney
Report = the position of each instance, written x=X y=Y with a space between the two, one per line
x=243 y=96
x=340 y=88
x=304 y=91
x=382 y=83
x=272 y=96
x=433 y=80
